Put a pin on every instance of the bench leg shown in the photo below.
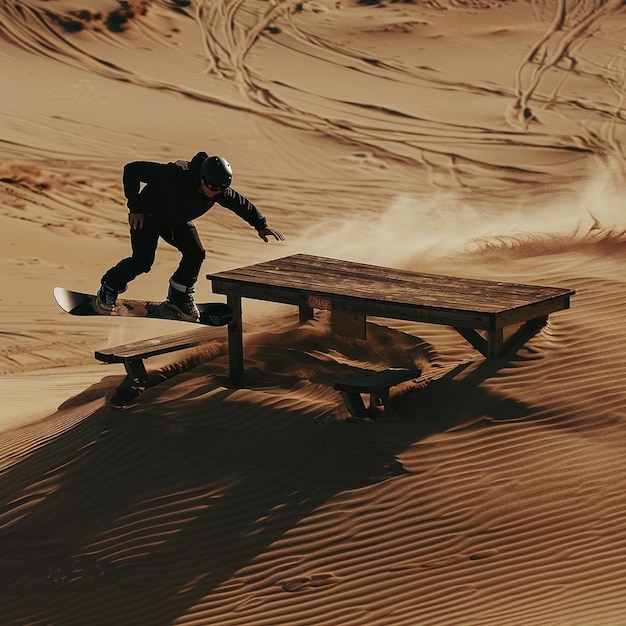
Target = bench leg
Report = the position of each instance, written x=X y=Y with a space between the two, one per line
x=356 y=407
x=354 y=404
x=136 y=371
x=380 y=398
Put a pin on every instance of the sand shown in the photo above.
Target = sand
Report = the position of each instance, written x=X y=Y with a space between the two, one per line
x=481 y=139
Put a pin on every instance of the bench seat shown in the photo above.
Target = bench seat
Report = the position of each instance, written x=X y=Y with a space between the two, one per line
x=132 y=355
x=376 y=384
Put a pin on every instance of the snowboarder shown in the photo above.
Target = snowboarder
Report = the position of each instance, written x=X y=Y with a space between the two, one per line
x=173 y=196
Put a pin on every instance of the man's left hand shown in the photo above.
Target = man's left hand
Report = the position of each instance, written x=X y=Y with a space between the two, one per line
x=266 y=232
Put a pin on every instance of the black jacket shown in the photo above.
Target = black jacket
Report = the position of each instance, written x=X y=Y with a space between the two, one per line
x=172 y=193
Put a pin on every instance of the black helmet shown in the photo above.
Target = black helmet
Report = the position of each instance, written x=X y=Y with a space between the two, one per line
x=216 y=171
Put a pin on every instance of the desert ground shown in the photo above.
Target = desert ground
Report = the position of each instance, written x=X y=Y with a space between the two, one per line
x=479 y=139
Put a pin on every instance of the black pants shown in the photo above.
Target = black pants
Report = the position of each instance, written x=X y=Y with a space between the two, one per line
x=144 y=241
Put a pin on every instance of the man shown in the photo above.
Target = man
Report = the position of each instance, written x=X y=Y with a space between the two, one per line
x=175 y=194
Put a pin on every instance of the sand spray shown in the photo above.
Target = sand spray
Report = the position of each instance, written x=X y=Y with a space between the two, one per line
x=446 y=224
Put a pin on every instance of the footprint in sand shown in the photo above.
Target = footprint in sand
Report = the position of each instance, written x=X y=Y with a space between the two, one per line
x=304 y=582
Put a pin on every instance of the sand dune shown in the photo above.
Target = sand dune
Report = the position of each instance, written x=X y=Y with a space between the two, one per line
x=478 y=139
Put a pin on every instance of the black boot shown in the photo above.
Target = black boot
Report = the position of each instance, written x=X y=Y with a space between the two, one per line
x=182 y=298
x=106 y=297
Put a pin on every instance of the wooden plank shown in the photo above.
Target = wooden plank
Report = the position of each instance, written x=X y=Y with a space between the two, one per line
x=132 y=355
x=136 y=370
x=369 y=382
x=372 y=307
x=532 y=311
x=374 y=282
x=304 y=273
x=409 y=312
x=160 y=345
x=430 y=284
x=440 y=284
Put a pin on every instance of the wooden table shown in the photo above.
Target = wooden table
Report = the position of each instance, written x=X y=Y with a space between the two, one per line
x=480 y=310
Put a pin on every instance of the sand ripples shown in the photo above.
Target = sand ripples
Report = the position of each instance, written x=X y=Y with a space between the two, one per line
x=250 y=506
x=240 y=41
x=491 y=496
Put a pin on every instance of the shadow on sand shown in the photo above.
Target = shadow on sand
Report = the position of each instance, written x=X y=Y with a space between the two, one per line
x=153 y=508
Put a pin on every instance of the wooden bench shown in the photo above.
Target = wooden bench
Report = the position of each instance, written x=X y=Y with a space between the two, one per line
x=376 y=384
x=132 y=355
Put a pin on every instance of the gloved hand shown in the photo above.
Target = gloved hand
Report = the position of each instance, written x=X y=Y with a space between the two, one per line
x=266 y=232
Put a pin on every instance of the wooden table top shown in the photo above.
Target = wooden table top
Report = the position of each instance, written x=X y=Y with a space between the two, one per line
x=322 y=282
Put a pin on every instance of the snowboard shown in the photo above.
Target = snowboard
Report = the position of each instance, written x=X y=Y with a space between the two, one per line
x=75 y=303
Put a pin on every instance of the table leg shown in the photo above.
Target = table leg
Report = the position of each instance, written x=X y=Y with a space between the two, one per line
x=495 y=341
x=235 y=342
x=306 y=313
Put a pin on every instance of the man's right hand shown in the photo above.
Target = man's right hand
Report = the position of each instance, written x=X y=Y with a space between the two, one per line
x=135 y=220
